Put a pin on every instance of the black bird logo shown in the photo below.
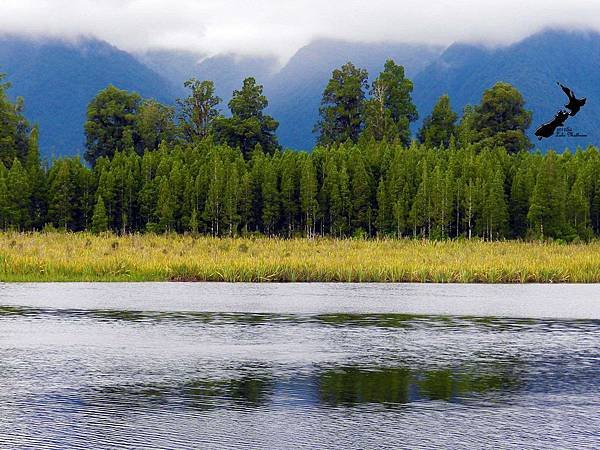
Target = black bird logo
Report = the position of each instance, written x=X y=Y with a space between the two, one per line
x=575 y=103
x=547 y=129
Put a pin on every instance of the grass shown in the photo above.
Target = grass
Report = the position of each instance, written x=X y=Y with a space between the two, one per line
x=85 y=257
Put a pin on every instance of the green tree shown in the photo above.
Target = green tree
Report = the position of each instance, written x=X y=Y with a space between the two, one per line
x=62 y=201
x=270 y=197
x=439 y=127
x=522 y=186
x=165 y=206
x=199 y=110
x=342 y=106
x=37 y=182
x=19 y=192
x=360 y=193
x=155 y=123
x=99 y=219
x=231 y=199
x=578 y=205
x=308 y=196
x=384 y=213
x=289 y=189
x=332 y=199
x=390 y=110
x=501 y=119
x=496 y=209
x=213 y=209
x=15 y=130
x=4 y=200
x=111 y=123
x=248 y=125
x=548 y=200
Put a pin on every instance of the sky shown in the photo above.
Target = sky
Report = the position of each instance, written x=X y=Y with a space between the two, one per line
x=281 y=27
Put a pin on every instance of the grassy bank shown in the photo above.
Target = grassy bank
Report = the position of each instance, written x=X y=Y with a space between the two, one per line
x=85 y=257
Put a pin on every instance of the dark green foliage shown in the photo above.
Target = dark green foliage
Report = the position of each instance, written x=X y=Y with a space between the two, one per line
x=199 y=110
x=99 y=219
x=500 y=120
x=390 y=110
x=68 y=197
x=440 y=126
x=15 y=131
x=346 y=190
x=342 y=106
x=467 y=182
x=248 y=125
x=111 y=123
x=155 y=123
x=548 y=200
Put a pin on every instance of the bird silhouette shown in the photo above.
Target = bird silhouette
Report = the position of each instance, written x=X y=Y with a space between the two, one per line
x=575 y=103
x=547 y=129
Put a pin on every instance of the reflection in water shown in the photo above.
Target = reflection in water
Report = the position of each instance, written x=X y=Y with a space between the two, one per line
x=97 y=377
x=197 y=394
x=342 y=320
x=355 y=385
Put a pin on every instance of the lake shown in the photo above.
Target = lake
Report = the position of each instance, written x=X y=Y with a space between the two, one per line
x=159 y=365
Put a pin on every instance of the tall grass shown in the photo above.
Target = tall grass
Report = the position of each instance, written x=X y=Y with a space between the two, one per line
x=86 y=257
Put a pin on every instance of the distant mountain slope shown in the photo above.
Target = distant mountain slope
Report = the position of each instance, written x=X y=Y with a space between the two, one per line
x=227 y=71
x=58 y=79
x=533 y=66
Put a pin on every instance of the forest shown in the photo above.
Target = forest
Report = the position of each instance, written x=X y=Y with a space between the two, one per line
x=188 y=168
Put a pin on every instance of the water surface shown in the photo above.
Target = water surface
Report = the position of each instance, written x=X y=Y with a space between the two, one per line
x=163 y=365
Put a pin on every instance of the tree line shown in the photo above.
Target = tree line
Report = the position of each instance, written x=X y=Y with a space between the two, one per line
x=156 y=168
x=350 y=111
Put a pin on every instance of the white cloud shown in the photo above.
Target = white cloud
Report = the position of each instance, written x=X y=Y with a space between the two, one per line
x=280 y=27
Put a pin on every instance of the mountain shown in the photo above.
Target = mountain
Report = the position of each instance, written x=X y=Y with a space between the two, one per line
x=175 y=66
x=227 y=71
x=58 y=79
x=533 y=65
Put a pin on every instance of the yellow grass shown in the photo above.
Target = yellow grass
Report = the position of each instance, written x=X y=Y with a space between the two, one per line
x=85 y=257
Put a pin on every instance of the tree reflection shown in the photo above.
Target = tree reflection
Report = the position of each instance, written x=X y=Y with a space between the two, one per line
x=355 y=385
x=201 y=394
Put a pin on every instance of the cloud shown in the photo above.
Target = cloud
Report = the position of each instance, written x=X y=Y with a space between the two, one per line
x=280 y=27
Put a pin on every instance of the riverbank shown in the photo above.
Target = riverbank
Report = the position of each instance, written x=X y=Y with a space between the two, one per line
x=86 y=257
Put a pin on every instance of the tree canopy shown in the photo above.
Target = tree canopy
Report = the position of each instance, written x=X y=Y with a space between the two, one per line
x=15 y=130
x=199 y=110
x=248 y=125
x=390 y=110
x=111 y=123
x=501 y=119
x=228 y=175
x=440 y=126
x=342 y=106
